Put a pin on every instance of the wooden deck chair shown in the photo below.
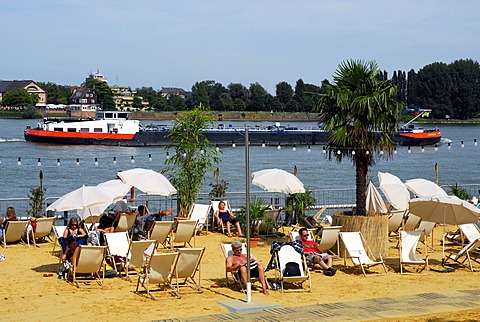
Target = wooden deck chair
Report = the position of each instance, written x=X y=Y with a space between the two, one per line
x=227 y=251
x=330 y=238
x=411 y=222
x=200 y=212
x=285 y=256
x=161 y=232
x=126 y=221
x=138 y=254
x=358 y=251
x=395 y=221
x=468 y=252
x=470 y=232
x=316 y=217
x=294 y=235
x=184 y=233
x=14 y=232
x=91 y=260
x=44 y=228
x=427 y=228
x=118 y=245
x=57 y=233
x=408 y=248
x=159 y=271
x=275 y=215
x=188 y=267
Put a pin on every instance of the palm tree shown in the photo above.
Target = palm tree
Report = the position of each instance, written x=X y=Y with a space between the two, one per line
x=361 y=114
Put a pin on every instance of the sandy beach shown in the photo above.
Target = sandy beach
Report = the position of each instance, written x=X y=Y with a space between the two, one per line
x=27 y=295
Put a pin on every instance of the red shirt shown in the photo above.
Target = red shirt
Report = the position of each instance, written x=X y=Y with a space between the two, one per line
x=309 y=246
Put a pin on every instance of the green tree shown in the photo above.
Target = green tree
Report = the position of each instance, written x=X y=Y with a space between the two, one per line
x=57 y=94
x=37 y=199
x=104 y=93
x=19 y=98
x=200 y=93
x=284 y=92
x=193 y=157
x=258 y=98
x=137 y=103
x=361 y=114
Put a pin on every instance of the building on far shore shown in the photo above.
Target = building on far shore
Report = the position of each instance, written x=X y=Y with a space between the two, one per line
x=31 y=86
x=166 y=92
x=83 y=100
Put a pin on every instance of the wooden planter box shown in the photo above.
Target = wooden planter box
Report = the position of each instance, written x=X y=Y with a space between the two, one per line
x=373 y=228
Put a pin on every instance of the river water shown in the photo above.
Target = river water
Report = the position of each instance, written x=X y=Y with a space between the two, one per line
x=456 y=165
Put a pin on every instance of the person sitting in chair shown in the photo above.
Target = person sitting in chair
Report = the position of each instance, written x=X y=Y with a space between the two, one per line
x=145 y=219
x=226 y=217
x=237 y=262
x=315 y=255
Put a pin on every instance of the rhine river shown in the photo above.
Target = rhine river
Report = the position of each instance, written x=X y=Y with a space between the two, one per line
x=456 y=165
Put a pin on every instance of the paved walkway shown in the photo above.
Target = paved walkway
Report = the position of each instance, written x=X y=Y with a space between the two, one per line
x=379 y=308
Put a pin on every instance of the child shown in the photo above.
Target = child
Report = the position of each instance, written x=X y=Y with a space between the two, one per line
x=69 y=257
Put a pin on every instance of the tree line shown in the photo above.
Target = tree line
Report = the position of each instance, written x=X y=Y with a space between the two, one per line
x=450 y=90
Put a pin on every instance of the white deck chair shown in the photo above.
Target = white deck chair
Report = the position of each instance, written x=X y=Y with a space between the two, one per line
x=14 y=232
x=470 y=232
x=214 y=204
x=294 y=235
x=138 y=254
x=330 y=237
x=200 y=212
x=161 y=232
x=44 y=228
x=126 y=221
x=288 y=254
x=408 y=248
x=57 y=233
x=227 y=251
x=411 y=222
x=184 y=233
x=395 y=221
x=159 y=271
x=468 y=252
x=90 y=262
x=427 y=228
x=188 y=266
x=118 y=244
x=356 y=248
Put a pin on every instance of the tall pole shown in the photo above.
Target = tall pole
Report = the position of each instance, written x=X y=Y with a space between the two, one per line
x=247 y=204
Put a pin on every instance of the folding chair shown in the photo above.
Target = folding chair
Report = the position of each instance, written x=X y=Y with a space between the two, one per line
x=184 y=233
x=468 y=252
x=126 y=221
x=200 y=213
x=43 y=229
x=118 y=245
x=330 y=238
x=286 y=256
x=57 y=234
x=408 y=248
x=91 y=260
x=188 y=266
x=14 y=232
x=358 y=251
x=214 y=204
x=138 y=253
x=411 y=222
x=471 y=232
x=161 y=232
x=159 y=271
x=427 y=228
x=227 y=251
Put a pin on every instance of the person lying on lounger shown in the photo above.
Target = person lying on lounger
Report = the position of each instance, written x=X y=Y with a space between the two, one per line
x=315 y=255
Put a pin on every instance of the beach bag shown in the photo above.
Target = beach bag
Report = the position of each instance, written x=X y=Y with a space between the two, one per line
x=292 y=269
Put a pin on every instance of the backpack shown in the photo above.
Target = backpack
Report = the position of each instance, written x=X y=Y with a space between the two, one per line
x=292 y=269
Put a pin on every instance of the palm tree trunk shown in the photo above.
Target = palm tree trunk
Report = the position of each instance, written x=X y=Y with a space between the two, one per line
x=361 y=171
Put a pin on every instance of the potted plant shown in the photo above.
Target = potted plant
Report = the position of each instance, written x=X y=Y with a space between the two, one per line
x=258 y=218
x=219 y=189
x=297 y=203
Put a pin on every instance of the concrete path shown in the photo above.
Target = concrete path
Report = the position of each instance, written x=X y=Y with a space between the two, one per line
x=361 y=310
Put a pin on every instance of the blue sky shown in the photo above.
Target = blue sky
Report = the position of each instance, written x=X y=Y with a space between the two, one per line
x=177 y=43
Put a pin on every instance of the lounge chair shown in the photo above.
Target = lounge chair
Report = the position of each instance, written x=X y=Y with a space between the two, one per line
x=184 y=233
x=214 y=204
x=138 y=254
x=227 y=251
x=426 y=227
x=118 y=245
x=125 y=222
x=275 y=216
x=159 y=271
x=330 y=238
x=468 y=252
x=200 y=213
x=161 y=232
x=43 y=229
x=288 y=256
x=294 y=235
x=14 y=232
x=470 y=232
x=357 y=250
x=91 y=260
x=395 y=221
x=411 y=222
x=316 y=217
x=408 y=248
x=57 y=234
x=188 y=266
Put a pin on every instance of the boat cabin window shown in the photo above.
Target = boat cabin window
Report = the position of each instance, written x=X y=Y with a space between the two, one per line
x=58 y=129
x=97 y=130
x=71 y=129
x=84 y=129
x=108 y=115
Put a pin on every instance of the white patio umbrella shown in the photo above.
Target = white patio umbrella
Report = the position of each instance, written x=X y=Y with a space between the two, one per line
x=447 y=210
x=84 y=197
x=117 y=188
x=148 y=181
x=374 y=202
x=423 y=188
x=277 y=180
x=394 y=190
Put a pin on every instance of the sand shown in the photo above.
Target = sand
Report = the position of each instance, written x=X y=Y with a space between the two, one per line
x=26 y=295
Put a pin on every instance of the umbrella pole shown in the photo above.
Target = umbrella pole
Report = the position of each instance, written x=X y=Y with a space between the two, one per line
x=443 y=236
x=247 y=204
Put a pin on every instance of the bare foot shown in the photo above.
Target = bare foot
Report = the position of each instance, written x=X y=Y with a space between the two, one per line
x=265 y=292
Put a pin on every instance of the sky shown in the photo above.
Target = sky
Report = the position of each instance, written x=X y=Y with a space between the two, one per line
x=175 y=43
